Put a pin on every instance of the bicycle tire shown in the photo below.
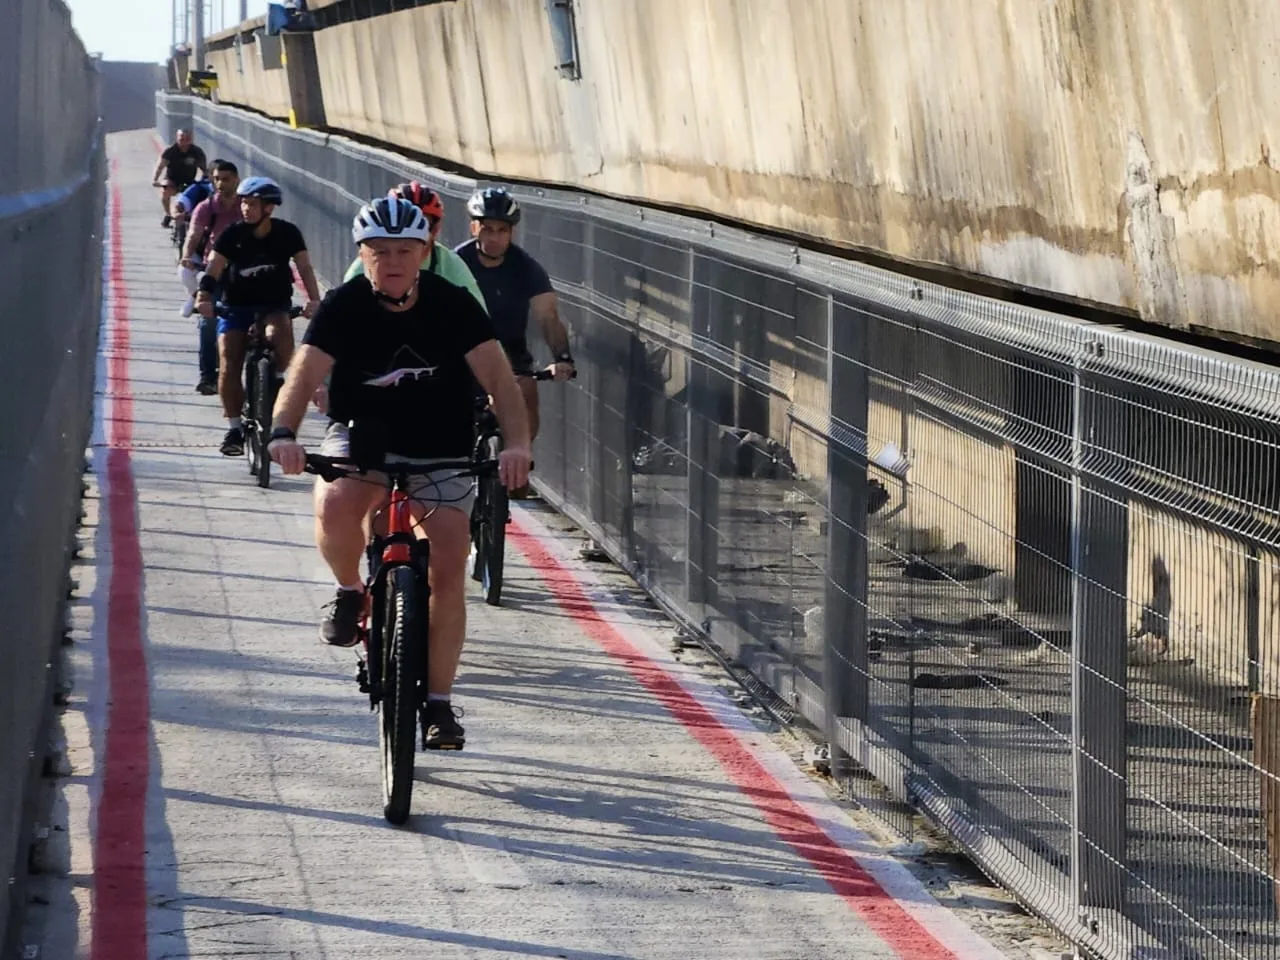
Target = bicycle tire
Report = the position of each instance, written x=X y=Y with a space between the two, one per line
x=495 y=527
x=264 y=402
x=253 y=448
x=403 y=630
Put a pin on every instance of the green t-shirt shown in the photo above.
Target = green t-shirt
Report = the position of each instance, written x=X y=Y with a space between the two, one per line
x=445 y=264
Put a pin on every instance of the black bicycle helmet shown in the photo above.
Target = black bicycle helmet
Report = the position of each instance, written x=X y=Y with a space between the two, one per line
x=494 y=203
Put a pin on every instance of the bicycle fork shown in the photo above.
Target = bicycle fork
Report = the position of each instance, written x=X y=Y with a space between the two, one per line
x=398 y=547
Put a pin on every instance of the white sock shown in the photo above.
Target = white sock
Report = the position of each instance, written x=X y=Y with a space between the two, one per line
x=437 y=698
x=358 y=588
x=236 y=423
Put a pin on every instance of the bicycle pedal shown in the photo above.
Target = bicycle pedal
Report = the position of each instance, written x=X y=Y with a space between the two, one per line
x=362 y=676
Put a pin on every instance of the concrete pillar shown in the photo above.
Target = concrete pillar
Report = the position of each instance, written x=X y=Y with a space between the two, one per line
x=302 y=72
x=197 y=33
x=1042 y=518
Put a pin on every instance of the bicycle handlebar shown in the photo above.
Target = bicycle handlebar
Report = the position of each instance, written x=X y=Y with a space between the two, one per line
x=333 y=468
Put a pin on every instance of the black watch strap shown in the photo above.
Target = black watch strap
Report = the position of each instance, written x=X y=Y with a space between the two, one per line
x=283 y=433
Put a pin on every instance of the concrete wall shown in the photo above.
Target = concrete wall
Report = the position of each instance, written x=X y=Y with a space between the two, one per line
x=129 y=94
x=1118 y=151
x=42 y=64
x=242 y=78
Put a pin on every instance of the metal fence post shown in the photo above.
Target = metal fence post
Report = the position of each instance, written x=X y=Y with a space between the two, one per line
x=703 y=465
x=1099 y=564
x=844 y=647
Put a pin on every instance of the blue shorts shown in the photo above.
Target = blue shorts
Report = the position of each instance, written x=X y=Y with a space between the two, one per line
x=240 y=319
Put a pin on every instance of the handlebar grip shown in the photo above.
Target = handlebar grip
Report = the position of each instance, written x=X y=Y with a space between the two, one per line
x=545 y=374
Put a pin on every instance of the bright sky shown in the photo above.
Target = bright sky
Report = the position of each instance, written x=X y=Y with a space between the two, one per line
x=142 y=29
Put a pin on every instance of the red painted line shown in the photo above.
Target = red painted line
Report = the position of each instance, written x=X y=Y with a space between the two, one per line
x=789 y=820
x=120 y=884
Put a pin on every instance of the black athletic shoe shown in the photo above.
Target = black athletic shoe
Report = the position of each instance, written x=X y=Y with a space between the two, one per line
x=440 y=727
x=340 y=626
x=233 y=443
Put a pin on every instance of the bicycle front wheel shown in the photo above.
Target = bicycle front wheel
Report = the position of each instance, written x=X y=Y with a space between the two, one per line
x=494 y=535
x=262 y=410
x=253 y=448
x=404 y=630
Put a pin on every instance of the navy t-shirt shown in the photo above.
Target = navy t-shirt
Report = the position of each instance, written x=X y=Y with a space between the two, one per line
x=507 y=290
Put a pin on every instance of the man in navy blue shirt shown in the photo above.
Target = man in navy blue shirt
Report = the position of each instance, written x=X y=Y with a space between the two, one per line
x=514 y=285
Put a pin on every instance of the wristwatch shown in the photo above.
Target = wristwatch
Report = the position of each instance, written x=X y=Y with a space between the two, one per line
x=282 y=433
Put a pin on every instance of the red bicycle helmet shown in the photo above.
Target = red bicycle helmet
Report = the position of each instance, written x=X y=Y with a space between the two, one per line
x=425 y=199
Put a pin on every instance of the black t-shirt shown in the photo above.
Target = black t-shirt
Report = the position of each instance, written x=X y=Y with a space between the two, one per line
x=407 y=370
x=258 y=272
x=180 y=168
x=507 y=289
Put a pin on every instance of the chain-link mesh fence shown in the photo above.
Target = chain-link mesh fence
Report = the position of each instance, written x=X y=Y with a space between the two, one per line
x=1023 y=570
x=50 y=302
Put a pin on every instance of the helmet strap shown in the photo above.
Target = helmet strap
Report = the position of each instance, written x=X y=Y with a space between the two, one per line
x=396 y=301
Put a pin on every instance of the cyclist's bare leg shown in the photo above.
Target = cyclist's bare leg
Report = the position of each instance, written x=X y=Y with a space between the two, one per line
x=166 y=195
x=529 y=387
x=279 y=333
x=449 y=530
x=231 y=350
x=342 y=508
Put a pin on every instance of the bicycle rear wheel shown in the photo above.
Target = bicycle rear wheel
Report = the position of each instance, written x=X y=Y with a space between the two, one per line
x=263 y=404
x=404 y=629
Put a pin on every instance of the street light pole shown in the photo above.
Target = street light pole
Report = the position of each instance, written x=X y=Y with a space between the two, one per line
x=197 y=34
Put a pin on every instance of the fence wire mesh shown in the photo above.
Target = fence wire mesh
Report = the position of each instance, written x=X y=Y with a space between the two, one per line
x=1024 y=571
x=50 y=214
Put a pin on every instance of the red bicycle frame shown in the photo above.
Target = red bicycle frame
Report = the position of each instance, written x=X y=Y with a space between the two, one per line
x=399 y=520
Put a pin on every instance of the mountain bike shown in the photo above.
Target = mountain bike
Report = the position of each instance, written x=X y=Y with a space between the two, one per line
x=260 y=386
x=393 y=630
x=491 y=511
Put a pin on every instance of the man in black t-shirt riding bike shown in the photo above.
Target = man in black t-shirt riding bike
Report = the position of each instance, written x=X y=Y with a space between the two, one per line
x=182 y=163
x=251 y=266
x=515 y=287
x=403 y=347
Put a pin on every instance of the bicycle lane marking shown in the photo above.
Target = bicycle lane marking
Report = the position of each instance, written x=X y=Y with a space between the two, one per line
x=119 y=925
x=880 y=891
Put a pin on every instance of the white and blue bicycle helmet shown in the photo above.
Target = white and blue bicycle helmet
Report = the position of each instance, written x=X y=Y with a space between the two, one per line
x=390 y=218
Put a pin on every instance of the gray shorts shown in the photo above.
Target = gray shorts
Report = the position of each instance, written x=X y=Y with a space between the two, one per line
x=444 y=488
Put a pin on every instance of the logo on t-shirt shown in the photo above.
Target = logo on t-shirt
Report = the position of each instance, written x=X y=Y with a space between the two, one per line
x=398 y=373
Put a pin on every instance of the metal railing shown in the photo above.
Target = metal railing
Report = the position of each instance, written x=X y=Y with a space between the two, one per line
x=1024 y=570
x=51 y=217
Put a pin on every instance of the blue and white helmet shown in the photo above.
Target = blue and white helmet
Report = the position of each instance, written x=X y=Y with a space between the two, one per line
x=390 y=218
x=264 y=188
